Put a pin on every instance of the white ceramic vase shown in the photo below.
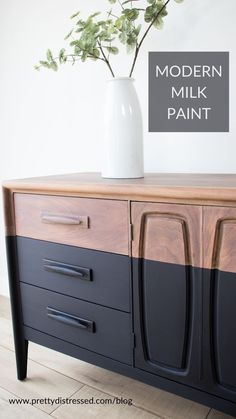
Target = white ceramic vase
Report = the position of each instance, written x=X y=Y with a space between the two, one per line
x=123 y=131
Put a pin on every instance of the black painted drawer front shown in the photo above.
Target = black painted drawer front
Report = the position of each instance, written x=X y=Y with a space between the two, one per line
x=99 y=329
x=99 y=277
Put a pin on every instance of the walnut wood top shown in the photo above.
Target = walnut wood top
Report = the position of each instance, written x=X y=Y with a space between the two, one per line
x=186 y=188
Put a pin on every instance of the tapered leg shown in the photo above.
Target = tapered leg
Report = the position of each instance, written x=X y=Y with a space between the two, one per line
x=21 y=360
x=21 y=345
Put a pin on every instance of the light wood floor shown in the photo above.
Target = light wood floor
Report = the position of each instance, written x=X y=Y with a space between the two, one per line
x=53 y=375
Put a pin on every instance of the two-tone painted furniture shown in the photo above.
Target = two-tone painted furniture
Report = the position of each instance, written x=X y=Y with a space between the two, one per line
x=136 y=276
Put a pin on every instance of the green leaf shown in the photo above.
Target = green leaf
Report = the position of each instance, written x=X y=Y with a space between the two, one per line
x=54 y=66
x=75 y=15
x=137 y=30
x=84 y=56
x=95 y=14
x=80 y=23
x=149 y=14
x=158 y=24
x=49 y=55
x=73 y=43
x=130 y=47
x=62 y=55
x=123 y=37
x=113 y=50
x=164 y=12
x=77 y=50
x=131 y=14
x=119 y=22
x=44 y=64
x=179 y=1
x=156 y=9
x=109 y=39
x=37 y=67
x=79 y=30
x=68 y=35
x=112 y=1
x=96 y=52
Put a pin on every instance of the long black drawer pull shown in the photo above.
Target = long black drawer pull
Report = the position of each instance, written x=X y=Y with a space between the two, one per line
x=70 y=320
x=69 y=270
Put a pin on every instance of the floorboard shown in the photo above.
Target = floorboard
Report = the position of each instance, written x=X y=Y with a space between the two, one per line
x=51 y=374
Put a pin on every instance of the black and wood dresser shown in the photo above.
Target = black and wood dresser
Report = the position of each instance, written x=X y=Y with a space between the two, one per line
x=136 y=276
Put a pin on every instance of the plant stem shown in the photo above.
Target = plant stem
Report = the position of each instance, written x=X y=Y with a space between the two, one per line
x=105 y=59
x=111 y=14
x=144 y=36
x=74 y=59
x=79 y=56
x=121 y=5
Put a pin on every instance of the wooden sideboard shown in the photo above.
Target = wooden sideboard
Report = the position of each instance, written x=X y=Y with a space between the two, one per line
x=136 y=276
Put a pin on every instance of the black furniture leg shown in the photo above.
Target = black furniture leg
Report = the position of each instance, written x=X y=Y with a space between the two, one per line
x=21 y=358
x=21 y=344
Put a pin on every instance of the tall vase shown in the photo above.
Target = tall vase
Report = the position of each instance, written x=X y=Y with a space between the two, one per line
x=123 y=131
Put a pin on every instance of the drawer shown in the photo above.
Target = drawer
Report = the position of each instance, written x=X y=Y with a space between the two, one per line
x=99 y=277
x=90 y=326
x=91 y=223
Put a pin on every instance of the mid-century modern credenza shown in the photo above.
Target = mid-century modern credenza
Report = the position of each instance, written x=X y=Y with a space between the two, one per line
x=136 y=276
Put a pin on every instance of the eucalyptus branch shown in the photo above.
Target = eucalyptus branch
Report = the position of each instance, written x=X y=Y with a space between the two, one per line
x=93 y=38
x=105 y=59
x=75 y=57
x=138 y=46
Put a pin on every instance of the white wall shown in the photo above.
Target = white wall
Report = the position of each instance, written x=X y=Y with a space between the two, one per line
x=49 y=122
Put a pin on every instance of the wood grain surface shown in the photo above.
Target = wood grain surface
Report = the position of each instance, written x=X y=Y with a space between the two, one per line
x=219 y=238
x=9 y=212
x=167 y=233
x=195 y=190
x=184 y=188
x=60 y=371
x=104 y=223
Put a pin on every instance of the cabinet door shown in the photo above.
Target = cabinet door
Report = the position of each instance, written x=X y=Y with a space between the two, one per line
x=220 y=300
x=167 y=289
